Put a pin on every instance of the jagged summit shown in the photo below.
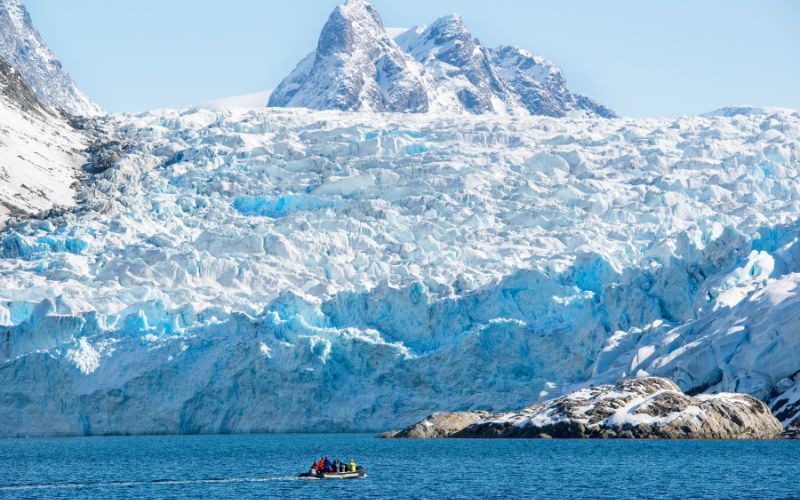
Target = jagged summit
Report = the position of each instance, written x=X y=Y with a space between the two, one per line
x=346 y=25
x=450 y=27
x=23 y=48
x=357 y=66
x=458 y=61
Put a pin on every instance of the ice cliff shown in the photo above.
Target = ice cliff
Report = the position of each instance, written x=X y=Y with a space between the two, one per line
x=233 y=271
x=358 y=66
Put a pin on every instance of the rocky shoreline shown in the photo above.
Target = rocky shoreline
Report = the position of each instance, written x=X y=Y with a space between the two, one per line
x=644 y=408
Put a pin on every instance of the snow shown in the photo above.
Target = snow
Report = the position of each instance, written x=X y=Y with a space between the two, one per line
x=85 y=357
x=361 y=66
x=242 y=263
x=252 y=100
x=22 y=47
x=355 y=67
x=40 y=155
x=395 y=32
x=629 y=413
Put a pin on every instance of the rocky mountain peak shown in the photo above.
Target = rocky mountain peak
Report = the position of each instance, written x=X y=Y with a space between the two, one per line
x=457 y=60
x=23 y=48
x=350 y=25
x=357 y=66
x=449 y=27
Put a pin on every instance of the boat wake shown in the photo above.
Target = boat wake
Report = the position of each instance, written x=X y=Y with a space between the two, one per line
x=127 y=484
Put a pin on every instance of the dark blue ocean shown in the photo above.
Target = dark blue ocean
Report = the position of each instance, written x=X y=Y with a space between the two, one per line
x=248 y=466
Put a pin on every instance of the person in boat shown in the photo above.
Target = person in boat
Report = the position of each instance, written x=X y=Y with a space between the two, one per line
x=351 y=465
x=318 y=465
x=327 y=466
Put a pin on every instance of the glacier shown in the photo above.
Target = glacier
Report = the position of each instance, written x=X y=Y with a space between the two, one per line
x=233 y=270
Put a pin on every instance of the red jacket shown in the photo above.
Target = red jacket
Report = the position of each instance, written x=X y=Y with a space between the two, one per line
x=319 y=464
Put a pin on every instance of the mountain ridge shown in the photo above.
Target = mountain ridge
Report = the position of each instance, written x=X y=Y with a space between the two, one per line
x=23 y=48
x=358 y=66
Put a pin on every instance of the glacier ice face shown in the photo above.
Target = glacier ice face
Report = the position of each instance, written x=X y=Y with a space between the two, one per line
x=23 y=48
x=358 y=66
x=234 y=268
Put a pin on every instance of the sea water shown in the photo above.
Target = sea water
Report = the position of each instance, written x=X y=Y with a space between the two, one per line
x=242 y=466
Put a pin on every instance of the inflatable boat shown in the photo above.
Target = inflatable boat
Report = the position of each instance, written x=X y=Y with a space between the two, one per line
x=318 y=474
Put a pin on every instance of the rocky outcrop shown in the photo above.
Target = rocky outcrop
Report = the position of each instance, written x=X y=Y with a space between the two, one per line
x=649 y=407
x=442 y=424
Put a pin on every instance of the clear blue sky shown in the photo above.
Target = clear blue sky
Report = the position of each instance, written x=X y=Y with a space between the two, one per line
x=641 y=58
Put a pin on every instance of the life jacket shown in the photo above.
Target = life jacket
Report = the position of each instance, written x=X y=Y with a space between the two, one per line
x=319 y=464
x=351 y=465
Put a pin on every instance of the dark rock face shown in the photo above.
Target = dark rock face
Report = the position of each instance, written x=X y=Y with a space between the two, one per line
x=787 y=409
x=636 y=408
x=103 y=154
x=14 y=88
